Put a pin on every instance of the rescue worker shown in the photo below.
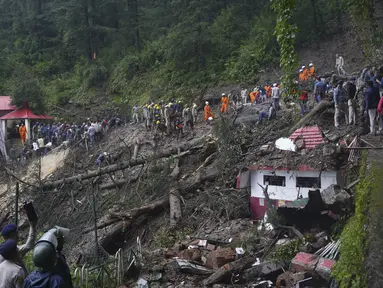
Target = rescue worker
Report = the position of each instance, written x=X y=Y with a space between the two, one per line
x=145 y=115
x=208 y=113
x=244 y=96
x=12 y=275
x=23 y=133
x=275 y=93
x=339 y=65
x=136 y=111
x=178 y=126
x=340 y=102
x=312 y=71
x=195 y=112
x=224 y=104
x=188 y=118
x=268 y=90
x=300 y=78
x=252 y=96
x=45 y=259
x=372 y=99
x=305 y=73
x=351 y=95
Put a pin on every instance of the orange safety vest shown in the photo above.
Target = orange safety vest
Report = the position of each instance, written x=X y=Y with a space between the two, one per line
x=305 y=74
x=312 y=72
x=208 y=112
x=225 y=104
x=252 y=96
x=268 y=90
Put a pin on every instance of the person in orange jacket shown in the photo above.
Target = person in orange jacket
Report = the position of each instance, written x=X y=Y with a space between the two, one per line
x=300 y=78
x=268 y=90
x=253 y=96
x=312 y=71
x=305 y=73
x=225 y=103
x=208 y=113
x=23 y=133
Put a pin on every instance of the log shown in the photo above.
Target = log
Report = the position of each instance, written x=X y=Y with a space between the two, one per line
x=323 y=105
x=117 y=183
x=175 y=208
x=185 y=186
x=228 y=269
x=119 y=166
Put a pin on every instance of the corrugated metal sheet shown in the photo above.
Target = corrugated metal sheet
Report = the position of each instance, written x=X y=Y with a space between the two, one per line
x=5 y=103
x=311 y=135
x=300 y=203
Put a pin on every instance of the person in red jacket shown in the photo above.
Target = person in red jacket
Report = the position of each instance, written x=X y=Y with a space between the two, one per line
x=380 y=114
x=303 y=98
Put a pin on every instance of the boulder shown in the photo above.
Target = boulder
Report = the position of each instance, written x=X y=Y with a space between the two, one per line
x=220 y=257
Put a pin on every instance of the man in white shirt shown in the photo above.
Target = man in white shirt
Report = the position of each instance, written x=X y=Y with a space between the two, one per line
x=339 y=63
x=244 y=94
x=12 y=275
x=275 y=93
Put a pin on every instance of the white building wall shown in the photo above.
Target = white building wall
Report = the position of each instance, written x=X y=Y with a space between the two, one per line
x=290 y=191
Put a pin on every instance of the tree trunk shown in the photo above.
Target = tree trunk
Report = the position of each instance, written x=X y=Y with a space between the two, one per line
x=175 y=208
x=323 y=105
x=119 y=166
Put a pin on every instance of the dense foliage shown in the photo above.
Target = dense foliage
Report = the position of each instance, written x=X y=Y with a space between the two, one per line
x=54 y=51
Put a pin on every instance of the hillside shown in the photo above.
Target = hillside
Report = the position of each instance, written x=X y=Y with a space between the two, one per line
x=85 y=53
x=176 y=210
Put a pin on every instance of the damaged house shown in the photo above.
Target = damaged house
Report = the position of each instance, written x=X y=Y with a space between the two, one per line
x=292 y=170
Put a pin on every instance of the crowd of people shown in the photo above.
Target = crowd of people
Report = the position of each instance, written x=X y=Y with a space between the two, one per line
x=46 y=136
x=52 y=270
x=171 y=118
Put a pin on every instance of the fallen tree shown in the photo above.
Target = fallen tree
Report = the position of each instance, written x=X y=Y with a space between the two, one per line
x=322 y=106
x=184 y=186
x=122 y=165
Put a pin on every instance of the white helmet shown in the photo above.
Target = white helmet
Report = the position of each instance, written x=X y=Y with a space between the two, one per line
x=206 y=103
x=275 y=85
x=223 y=94
x=300 y=70
x=311 y=64
x=303 y=67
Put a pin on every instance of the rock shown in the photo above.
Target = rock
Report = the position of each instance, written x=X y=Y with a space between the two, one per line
x=283 y=242
x=220 y=257
x=320 y=235
x=289 y=278
x=187 y=267
x=190 y=254
x=304 y=262
x=320 y=243
x=324 y=267
x=263 y=284
x=262 y=270
x=210 y=247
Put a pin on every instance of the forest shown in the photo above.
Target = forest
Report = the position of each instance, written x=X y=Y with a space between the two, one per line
x=59 y=51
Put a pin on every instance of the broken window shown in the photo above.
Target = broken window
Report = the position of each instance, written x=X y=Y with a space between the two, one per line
x=308 y=182
x=274 y=180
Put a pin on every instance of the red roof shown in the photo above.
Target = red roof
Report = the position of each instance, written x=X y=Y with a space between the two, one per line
x=5 y=103
x=24 y=113
x=312 y=136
